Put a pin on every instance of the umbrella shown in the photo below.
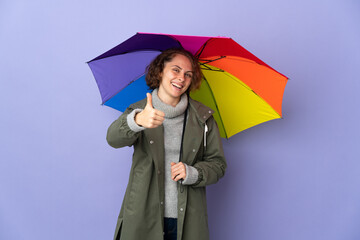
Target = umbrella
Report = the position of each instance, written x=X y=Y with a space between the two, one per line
x=241 y=89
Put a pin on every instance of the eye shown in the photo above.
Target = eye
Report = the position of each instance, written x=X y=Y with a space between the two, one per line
x=189 y=75
x=176 y=70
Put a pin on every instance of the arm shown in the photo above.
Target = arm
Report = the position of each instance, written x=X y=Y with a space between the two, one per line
x=126 y=129
x=119 y=133
x=213 y=164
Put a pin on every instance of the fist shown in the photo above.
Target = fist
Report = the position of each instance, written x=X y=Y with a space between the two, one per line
x=178 y=171
x=149 y=117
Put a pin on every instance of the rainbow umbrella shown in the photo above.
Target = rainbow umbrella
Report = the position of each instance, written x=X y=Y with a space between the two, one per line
x=241 y=89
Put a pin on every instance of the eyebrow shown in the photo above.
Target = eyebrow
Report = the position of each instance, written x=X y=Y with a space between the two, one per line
x=181 y=68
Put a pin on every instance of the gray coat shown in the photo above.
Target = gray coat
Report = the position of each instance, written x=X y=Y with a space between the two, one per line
x=142 y=211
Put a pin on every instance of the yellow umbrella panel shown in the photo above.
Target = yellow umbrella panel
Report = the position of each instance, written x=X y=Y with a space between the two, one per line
x=237 y=107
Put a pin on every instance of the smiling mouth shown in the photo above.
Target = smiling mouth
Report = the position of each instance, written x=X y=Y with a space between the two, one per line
x=177 y=86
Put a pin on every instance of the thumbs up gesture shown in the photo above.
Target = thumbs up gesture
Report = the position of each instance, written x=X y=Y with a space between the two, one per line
x=149 y=117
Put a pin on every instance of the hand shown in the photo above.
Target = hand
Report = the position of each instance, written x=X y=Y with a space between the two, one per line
x=178 y=171
x=149 y=117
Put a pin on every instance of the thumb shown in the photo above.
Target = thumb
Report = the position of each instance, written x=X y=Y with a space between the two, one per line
x=172 y=163
x=149 y=100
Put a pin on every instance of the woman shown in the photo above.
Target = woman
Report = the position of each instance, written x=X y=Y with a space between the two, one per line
x=165 y=197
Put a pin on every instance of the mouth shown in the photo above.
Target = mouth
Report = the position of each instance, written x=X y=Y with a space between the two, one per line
x=178 y=86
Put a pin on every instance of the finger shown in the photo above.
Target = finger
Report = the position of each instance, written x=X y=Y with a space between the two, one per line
x=178 y=166
x=176 y=178
x=159 y=113
x=155 y=123
x=149 y=100
x=179 y=176
x=177 y=171
x=157 y=117
x=174 y=173
x=172 y=163
x=155 y=114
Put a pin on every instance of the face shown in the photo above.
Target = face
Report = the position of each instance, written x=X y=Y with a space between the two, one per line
x=175 y=79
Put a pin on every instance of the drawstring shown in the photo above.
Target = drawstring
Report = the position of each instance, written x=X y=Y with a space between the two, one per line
x=205 y=131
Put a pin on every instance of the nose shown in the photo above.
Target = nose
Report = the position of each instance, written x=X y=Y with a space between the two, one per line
x=181 y=77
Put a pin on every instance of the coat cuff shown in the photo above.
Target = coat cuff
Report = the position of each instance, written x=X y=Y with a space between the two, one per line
x=131 y=121
x=192 y=175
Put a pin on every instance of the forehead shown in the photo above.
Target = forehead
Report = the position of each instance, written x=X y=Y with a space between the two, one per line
x=181 y=61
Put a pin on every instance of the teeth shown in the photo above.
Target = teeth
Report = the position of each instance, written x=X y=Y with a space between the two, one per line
x=177 y=86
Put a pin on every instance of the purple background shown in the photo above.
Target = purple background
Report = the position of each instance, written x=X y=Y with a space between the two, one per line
x=291 y=179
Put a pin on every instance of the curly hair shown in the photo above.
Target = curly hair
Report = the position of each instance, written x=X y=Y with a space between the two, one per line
x=156 y=67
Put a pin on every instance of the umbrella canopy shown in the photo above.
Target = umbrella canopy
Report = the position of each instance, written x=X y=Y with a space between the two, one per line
x=241 y=89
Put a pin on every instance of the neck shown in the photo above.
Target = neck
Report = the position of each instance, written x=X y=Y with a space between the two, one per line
x=168 y=99
x=169 y=110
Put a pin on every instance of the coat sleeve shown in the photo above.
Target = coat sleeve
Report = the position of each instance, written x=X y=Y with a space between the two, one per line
x=119 y=133
x=213 y=164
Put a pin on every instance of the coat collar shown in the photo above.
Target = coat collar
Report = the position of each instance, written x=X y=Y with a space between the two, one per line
x=202 y=112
